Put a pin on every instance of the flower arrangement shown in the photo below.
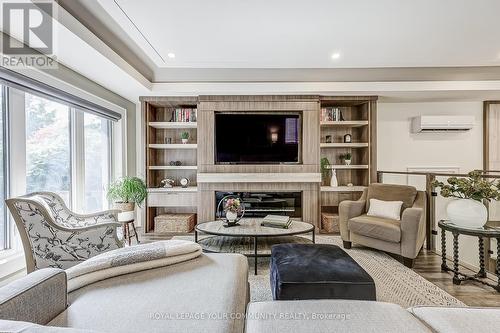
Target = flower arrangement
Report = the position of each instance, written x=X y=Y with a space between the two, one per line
x=474 y=187
x=232 y=205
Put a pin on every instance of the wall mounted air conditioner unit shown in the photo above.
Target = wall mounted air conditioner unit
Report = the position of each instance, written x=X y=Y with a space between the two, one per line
x=423 y=124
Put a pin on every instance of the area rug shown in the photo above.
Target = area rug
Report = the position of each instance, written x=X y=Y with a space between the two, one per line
x=395 y=283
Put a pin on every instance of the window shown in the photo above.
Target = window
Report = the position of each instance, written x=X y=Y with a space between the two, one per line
x=97 y=161
x=48 y=146
x=4 y=226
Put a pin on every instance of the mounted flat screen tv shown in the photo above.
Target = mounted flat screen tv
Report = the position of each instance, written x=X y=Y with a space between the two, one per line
x=257 y=138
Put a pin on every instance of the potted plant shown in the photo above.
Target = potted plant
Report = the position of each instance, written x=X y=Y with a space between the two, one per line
x=347 y=157
x=232 y=207
x=326 y=172
x=125 y=192
x=468 y=209
x=185 y=137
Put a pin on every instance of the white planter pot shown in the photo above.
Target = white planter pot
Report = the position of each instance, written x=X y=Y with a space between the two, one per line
x=347 y=162
x=467 y=213
x=184 y=141
x=231 y=216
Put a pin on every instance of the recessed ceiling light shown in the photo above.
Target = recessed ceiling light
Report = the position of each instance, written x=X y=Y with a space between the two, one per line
x=171 y=55
x=336 y=55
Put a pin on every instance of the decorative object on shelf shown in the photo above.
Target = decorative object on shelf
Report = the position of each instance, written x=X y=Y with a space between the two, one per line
x=125 y=192
x=328 y=139
x=347 y=158
x=167 y=183
x=168 y=140
x=325 y=169
x=350 y=184
x=185 y=137
x=231 y=210
x=175 y=163
x=468 y=209
x=333 y=181
x=347 y=138
x=184 y=182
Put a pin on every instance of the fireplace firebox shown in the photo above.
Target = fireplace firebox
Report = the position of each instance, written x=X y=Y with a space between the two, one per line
x=260 y=204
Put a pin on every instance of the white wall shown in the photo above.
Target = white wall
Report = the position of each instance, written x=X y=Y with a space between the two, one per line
x=399 y=149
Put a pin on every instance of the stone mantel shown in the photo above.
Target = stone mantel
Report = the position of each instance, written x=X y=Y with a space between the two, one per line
x=259 y=178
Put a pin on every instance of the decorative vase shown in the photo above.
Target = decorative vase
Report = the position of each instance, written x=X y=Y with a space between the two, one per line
x=184 y=141
x=347 y=162
x=231 y=216
x=467 y=213
x=333 y=181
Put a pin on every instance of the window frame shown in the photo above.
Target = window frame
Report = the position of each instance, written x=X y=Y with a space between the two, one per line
x=16 y=109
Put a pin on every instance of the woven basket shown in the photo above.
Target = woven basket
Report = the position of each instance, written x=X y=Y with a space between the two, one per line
x=182 y=223
x=124 y=206
x=330 y=223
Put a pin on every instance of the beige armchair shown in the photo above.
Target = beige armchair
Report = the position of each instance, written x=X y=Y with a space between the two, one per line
x=404 y=237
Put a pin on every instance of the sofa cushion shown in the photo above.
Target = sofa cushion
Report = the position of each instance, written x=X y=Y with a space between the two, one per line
x=9 y=326
x=458 y=320
x=205 y=294
x=376 y=227
x=327 y=316
x=317 y=271
x=391 y=192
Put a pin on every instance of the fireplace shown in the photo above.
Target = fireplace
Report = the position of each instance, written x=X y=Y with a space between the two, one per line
x=260 y=204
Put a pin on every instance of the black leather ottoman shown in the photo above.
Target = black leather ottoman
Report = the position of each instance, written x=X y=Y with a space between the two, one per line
x=317 y=271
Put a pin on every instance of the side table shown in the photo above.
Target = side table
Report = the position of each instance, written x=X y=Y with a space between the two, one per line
x=480 y=233
x=126 y=232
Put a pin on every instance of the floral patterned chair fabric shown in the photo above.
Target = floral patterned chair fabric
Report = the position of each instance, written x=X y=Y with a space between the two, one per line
x=53 y=236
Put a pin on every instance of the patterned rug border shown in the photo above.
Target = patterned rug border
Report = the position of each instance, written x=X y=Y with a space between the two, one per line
x=395 y=283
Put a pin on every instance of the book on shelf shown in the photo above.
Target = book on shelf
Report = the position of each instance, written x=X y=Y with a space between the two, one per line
x=331 y=114
x=184 y=115
x=276 y=221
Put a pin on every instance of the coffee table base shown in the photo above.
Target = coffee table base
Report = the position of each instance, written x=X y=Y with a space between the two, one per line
x=249 y=246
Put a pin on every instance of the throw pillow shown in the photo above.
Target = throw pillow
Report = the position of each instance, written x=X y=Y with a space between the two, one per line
x=385 y=209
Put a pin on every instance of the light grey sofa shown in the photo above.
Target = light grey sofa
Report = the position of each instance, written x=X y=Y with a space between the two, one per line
x=206 y=294
x=326 y=316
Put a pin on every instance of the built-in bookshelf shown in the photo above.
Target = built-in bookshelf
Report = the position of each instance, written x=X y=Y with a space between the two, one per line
x=168 y=157
x=353 y=119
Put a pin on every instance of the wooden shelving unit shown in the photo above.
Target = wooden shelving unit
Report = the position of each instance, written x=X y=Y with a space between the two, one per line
x=359 y=116
x=160 y=129
x=173 y=146
x=344 y=145
x=342 y=188
x=171 y=124
x=345 y=123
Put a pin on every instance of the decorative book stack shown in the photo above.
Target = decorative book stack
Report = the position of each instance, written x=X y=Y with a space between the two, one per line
x=276 y=221
x=184 y=115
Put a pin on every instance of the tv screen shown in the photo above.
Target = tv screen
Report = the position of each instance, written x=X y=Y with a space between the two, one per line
x=243 y=138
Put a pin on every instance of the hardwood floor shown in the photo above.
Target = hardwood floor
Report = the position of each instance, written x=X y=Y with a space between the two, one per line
x=428 y=265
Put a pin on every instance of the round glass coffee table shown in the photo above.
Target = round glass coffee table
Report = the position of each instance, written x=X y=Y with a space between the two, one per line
x=249 y=237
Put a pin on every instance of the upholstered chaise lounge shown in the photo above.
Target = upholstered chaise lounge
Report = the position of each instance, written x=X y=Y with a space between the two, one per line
x=404 y=237
x=54 y=236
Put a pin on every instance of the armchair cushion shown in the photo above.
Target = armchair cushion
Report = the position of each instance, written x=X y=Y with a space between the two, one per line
x=385 y=209
x=390 y=192
x=376 y=227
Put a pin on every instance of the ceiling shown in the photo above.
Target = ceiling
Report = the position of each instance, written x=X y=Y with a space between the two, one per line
x=289 y=34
